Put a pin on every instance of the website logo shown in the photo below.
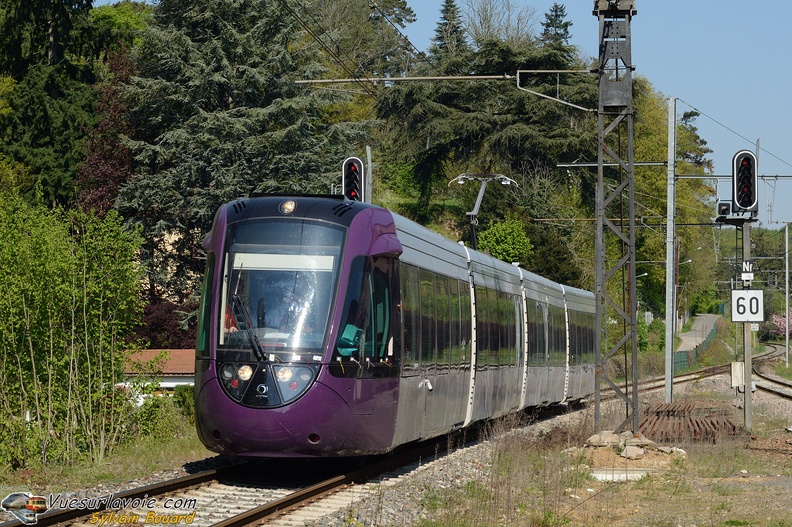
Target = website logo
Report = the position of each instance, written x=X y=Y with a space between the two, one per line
x=24 y=506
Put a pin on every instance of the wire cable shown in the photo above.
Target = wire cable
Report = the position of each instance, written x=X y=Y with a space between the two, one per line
x=738 y=134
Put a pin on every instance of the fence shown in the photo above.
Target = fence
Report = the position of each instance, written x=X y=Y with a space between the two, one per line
x=687 y=359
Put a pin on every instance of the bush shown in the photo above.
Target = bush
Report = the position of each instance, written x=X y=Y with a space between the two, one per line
x=185 y=401
x=158 y=418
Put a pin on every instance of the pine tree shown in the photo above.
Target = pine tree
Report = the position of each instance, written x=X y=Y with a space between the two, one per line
x=555 y=26
x=449 y=50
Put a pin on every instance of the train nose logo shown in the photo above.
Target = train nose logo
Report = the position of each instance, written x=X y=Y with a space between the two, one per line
x=262 y=389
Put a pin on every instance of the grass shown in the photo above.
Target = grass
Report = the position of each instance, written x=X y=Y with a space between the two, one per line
x=137 y=459
x=545 y=482
x=784 y=371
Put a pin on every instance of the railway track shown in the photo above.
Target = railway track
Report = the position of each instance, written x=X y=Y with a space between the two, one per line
x=281 y=493
x=771 y=383
x=272 y=492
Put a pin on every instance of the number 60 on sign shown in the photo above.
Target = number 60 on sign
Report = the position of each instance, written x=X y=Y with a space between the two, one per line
x=747 y=305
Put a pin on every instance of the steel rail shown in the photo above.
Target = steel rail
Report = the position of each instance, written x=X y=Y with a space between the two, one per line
x=57 y=516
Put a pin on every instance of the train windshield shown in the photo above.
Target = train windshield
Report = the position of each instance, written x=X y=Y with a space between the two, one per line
x=278 y=284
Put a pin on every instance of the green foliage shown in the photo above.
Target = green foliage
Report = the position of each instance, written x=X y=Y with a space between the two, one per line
x=41 y=32
x=71 y=285
x=217 y=115
x=118 y=26
x=157 y=418
x=555 y=28
x=506 y=240
x=51 y=114
x=184 y=399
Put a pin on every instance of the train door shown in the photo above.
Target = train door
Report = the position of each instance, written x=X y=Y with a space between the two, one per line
x=445 y=366
x=536 y=390
x=434 y=386
x=413 y=386
x=368 y=342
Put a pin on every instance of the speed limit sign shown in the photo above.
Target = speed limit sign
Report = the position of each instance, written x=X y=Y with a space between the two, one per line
x=747 y=305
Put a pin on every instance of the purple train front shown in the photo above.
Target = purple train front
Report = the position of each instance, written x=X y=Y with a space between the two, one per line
x=336 y=328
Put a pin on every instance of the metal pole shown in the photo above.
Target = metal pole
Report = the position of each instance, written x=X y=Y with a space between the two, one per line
x=748 y=394
x=786 y=288
x=368 y=194
x=670 y=317
x=473 y=215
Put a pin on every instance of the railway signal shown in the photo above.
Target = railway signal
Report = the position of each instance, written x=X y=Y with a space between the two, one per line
x=745 y=183
x=352 y=178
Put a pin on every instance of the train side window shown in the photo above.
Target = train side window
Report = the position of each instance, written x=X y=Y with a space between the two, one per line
x=411 y=321
x=428 y=318
x=454 y=342
x=366 y=337
x=557 y=341
x=516 y=331
x=482 y=327
x=443 y=300
x=536 y=333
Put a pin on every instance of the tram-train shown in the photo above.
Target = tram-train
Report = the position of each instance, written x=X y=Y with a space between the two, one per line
x=331 y=327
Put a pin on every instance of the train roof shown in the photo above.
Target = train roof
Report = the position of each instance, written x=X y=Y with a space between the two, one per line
x=438 y=250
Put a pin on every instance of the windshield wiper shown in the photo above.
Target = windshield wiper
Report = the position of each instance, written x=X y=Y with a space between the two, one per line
x=241 y=308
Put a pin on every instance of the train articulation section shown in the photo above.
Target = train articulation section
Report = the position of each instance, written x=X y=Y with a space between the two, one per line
x=336 y=328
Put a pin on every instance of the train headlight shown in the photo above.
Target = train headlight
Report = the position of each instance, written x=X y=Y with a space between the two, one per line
x=284 y=374
x=245 y=372
x=293 y=380
x=235 y=378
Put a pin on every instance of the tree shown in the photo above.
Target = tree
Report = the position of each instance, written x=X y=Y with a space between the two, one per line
x=108 y=164
x=40 y=32
x=555 y=28
x=500 y=20
x=51 y=114
x=53 y=49
x=506 y=240
x=116 y=27
x=71 y=294
x=217 y=115
x=361 y=38
x=449 y=50
x=694 y=199
x=489 y=126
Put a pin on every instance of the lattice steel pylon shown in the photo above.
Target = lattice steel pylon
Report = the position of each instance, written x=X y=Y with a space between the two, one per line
x=615 y=290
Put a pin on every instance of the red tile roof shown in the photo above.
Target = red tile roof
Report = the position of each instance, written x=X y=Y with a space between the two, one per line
x=179 y=361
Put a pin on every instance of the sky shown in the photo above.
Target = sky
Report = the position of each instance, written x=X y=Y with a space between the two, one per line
x=730 y=60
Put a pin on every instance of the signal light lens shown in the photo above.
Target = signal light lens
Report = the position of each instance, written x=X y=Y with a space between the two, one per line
x=745 y=182
x=352 y=176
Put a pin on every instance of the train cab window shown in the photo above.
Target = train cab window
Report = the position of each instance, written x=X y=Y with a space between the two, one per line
x=366 y=345
x=204 y=313
x=278 y=281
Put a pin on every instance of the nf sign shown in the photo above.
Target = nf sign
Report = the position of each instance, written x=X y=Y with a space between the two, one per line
x=747 y=305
